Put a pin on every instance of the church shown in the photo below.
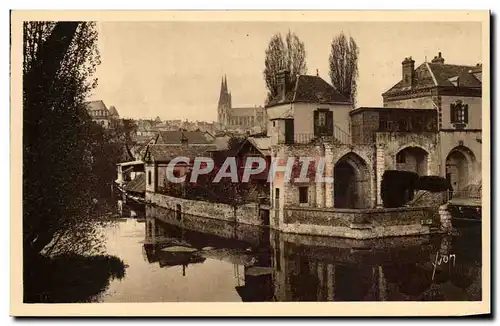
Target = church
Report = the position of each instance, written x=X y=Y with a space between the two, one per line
x=239 y=119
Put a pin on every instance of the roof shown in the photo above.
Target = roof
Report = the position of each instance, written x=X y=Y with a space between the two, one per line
x=96 y=105
x=242 y=112
x=137 y=185
x=165 y=153
x=310 y=89
x=143 y=139
x=429 y=75
x=130 y=163
x=263 y=144
x=363 y=109
x=113 y=111
x=177 y=137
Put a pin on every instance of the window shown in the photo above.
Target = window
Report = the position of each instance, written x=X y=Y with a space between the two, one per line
x=277 y=198
x=459 y=112
x=322 y=119
x=303 y=195
x=323 y=122
x=274 y=123
x=400 y=157
x=149 y=177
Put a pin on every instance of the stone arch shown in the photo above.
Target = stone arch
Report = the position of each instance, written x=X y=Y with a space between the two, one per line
x=413 y=158
x=352 y=182
x=460 y=167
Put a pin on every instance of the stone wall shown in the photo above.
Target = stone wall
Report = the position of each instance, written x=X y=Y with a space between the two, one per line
x=360 y=223
x=394 y=142
x=469 y=139
x=251 y=234
x=247 y=214
x=363 y=126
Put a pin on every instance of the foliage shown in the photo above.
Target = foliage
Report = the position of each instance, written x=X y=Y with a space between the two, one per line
x=65 y=155
x=70 y=278
x=289 y=54
x=433 y=183
x=343 y=62
x=122 y=133
x=397 y=187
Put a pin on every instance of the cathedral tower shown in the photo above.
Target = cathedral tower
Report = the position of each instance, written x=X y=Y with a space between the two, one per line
x=224 y=103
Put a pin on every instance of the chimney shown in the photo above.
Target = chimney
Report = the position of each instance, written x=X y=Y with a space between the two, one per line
x=283 y=78
x=438 y=59
x=408 y=71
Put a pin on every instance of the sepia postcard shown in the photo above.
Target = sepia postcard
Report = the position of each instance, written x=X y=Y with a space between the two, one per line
x=250 y=163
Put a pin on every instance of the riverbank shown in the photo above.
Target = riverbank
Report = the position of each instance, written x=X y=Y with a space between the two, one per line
x=69 y=278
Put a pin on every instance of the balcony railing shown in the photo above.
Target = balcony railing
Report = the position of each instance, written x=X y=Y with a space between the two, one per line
x=464 y=194
x=338 y=136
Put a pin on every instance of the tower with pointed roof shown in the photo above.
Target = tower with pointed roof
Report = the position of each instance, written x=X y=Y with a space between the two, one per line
x=224 y=105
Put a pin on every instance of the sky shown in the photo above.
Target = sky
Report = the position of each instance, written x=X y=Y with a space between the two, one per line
x=173 y=69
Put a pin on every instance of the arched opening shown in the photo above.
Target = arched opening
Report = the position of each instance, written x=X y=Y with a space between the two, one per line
x=459 y=167
x=412 y=159
x=351 y=180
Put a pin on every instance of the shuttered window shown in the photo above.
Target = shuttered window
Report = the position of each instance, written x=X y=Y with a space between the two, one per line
x=323 y=123
x=459 y=113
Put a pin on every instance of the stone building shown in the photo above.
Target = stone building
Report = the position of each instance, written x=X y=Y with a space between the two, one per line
x=242 y=119
x=100 y=113
x=311 y=119
x=455 y=93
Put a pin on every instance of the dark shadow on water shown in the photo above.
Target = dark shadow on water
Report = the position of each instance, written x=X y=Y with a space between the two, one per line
x=69 y=278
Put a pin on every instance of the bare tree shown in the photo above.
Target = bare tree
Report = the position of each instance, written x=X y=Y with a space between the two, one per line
x=289 y=54
x=344 y=65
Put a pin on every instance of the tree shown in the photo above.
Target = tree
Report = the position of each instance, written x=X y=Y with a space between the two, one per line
x=289 y=55
x=59 y=138
x=344 y=65
x=122 y=132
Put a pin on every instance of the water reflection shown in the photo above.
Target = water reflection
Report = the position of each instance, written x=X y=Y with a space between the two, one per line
x=186 y=258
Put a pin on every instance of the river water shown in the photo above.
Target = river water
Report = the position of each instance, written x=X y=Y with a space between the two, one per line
x=171 y=258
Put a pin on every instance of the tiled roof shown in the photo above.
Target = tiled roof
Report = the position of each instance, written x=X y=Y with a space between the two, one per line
x=430 y=74
x=165 y=153
x=137 y=185
x=113 y=111
x=176 y=137
x=263 y=144
x=310 y=89
x=96 y=105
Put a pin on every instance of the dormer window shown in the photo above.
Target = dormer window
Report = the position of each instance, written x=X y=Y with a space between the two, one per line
x=455 y=81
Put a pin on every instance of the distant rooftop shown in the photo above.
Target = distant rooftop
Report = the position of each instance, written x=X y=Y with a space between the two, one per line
x=438 y=74
x=96 y=105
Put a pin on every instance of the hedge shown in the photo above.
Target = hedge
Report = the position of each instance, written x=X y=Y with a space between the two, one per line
x=433 y=183
x=397 y=187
